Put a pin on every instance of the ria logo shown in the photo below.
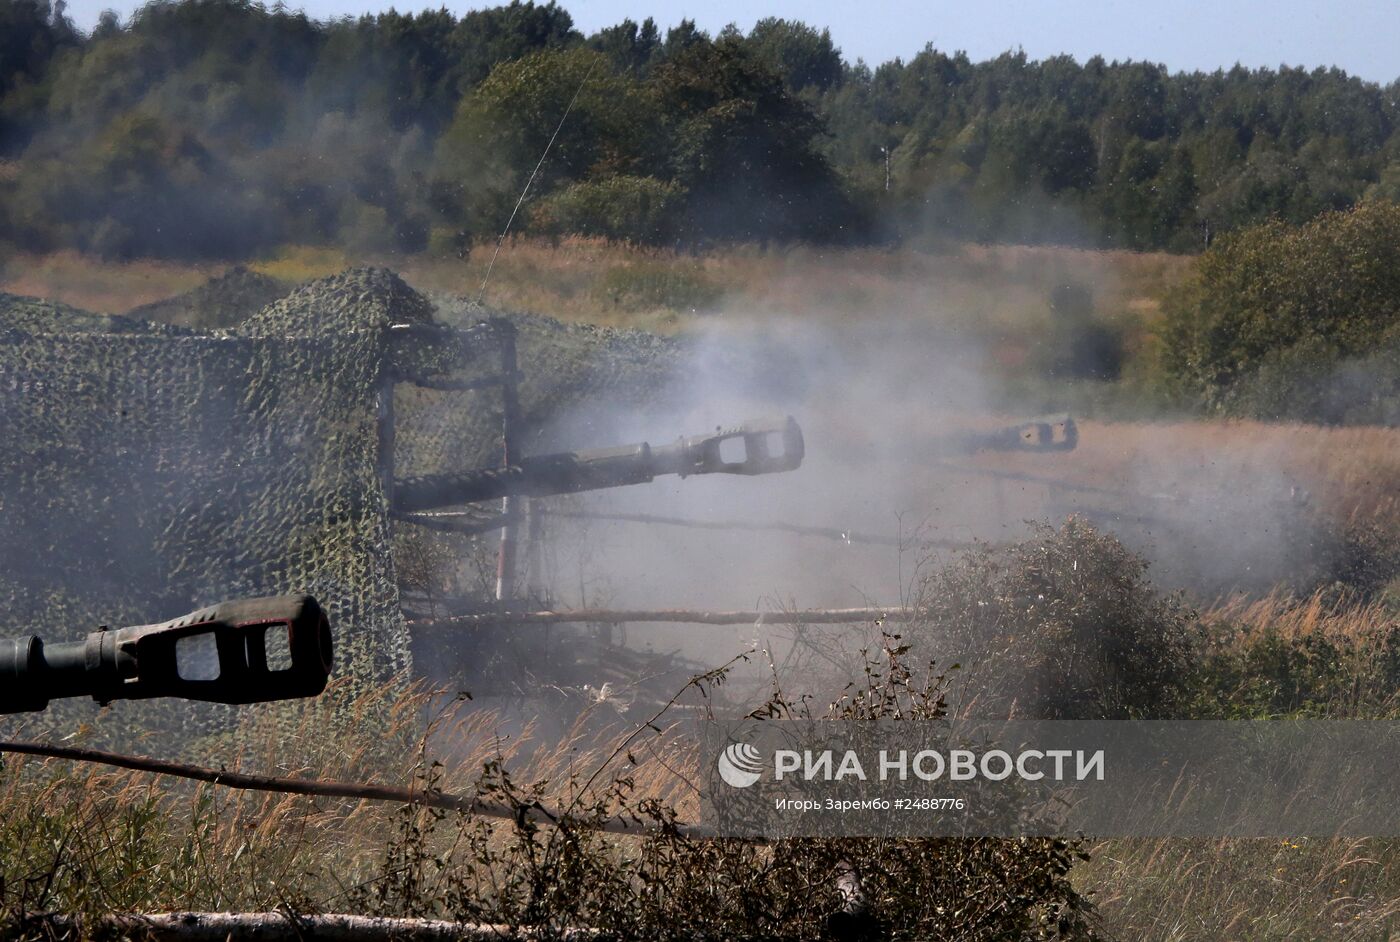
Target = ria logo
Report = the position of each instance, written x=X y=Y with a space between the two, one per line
x=740 y=765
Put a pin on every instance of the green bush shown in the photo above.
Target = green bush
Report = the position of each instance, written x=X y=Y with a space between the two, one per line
x=1313 y=380
x=1080 y=346
x=1362 y=558
x=367 y=229
x=621 y=208
x=1302 y=322
x=1252 y=673
x=1062 y=625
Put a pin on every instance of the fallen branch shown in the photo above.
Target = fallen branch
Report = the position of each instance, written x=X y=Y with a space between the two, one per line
x=598 y=616
x=832 y=533
x=331 y=789
x=288 y=927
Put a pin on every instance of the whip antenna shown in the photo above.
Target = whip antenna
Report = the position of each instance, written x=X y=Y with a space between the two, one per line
x=523 y=193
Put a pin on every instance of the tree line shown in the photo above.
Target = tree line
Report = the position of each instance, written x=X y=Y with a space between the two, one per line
x=223 y=129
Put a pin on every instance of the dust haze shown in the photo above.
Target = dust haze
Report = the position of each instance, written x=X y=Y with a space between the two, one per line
x=882 y=402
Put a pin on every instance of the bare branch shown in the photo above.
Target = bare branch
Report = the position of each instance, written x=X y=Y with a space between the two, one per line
x=331 y=789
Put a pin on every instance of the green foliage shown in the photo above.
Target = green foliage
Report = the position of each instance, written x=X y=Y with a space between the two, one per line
x=1080 y=346
x=622 y=208
x=405 y=69
x=1250 y=673
x=486 y=38
x=1111 y=154
x=503 y=127
x=631 y=48
x=804 y=57
x=744 y=149
x=1063 y=625
x=31 y=35
x=311 y=129
x=1314 y=380
x=1388 y=186
x=1282 y=321
x=1362 y=559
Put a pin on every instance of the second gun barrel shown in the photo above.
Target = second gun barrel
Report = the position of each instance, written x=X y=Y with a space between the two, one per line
x=755 y=447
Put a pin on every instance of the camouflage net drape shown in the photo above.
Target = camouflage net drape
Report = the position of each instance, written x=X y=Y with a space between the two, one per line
x=148 y=470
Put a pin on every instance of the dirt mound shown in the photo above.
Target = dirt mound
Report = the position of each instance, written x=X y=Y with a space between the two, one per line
x=220 y=302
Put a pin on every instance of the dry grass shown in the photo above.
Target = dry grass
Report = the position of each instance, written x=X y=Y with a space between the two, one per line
x=95 y=285
x=1177 y=890
x=1348 y=473
x=996 y=288
x=1325 y=655
x=975 y=287
x=1293 y=619
x=87 y=840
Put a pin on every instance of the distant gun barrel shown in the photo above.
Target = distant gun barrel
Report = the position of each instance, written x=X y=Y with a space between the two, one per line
x=245 y=651
x=1049 y=433
x=756 y=447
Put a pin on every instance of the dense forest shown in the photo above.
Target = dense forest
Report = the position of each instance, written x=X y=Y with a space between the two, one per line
x=221 y=129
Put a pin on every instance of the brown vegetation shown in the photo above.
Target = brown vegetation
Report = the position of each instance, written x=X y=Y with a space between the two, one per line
x=88 y=842
x=1350 y=473
x=95 y=285
x=1003 y=287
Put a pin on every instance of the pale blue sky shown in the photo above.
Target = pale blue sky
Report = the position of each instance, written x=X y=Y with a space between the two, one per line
x=1361 y=36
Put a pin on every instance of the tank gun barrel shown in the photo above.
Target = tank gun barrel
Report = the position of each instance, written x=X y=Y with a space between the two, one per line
x=244 y=651
x=1044 y=434
x=755 y=447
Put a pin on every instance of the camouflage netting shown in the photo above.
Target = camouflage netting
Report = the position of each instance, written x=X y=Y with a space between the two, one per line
x=152 y=469
x=574 y=378
x=37 y=316
x=220 y=302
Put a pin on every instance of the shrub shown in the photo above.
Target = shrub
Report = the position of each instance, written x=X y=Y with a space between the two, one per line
x=494 y=143
x=1362 y=558
x=620 y=208
x=1293 y=321
x=1081 y=346
x=1062 y=625
x=1319 y=656
x=1315 y=381
x=366 y=229
x=1265 y=675
x=75 y=841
